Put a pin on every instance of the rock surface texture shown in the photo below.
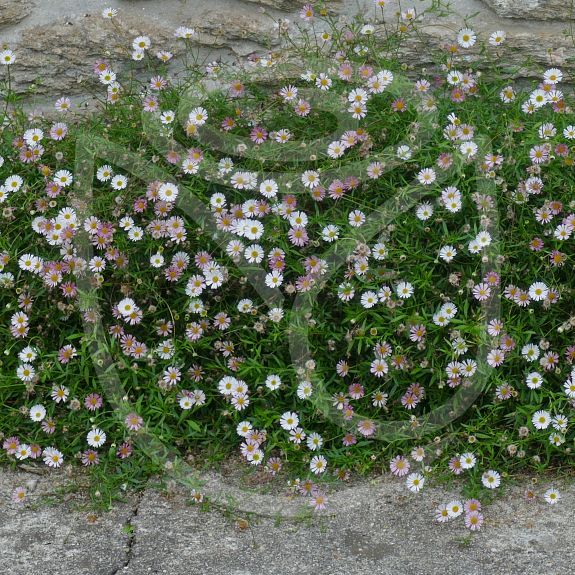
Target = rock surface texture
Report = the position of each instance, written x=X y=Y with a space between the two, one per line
x=57 y=43
x=12 y=11
x=372 y=528
x=535 y=9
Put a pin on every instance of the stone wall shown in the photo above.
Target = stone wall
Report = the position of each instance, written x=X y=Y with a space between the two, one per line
x=57 y=41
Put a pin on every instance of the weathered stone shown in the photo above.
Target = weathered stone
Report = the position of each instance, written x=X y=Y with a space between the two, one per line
x=58 y=57
x=12 y=11
x=519 y=57
x=280 y=4
x=58 y=44
x=370 y=526
x=534 y=9
x=223 y=28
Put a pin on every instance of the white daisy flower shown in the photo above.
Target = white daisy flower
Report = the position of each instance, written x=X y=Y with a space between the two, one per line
x=414 y=482
x=541 y=419
x=289 y=420
x=538 y=291
x=37 y=412
x=96 y=437
x=552 y=496
x=273 y=382
x=491 y=479
x=466 y=38
x=447 y=253
x=318 y=464
x=404 y=290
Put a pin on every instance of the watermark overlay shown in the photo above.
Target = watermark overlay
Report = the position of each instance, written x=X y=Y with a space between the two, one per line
x=294 y=155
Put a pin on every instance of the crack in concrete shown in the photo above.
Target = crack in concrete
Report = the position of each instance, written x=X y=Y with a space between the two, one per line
x=130 y=530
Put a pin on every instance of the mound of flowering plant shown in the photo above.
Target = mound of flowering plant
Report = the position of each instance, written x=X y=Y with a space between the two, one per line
x=318 y=261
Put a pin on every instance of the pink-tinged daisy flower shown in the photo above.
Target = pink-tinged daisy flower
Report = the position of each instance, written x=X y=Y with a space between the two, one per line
x=289 y=93
x=124 y=450
x=444 y=161
x=306 y=487
x=474 y=520
x=48 y=426
x=356 y=391
x=521 y=298
x=258 y=135
x=305 y=283
x=35 y=451
x=557 y=258
x=307 y=13
x=298 y=236
x=53 y=457
x=504 y=392
x=342 y=368
x=58 y=131
x=366 y=427
x=19 y=495
x=150 y=104
x=274 y=465
x=399 y=105
x=472 y=505
x=418 y=454
x=482 y=291
x=302 y=108
x=549 y=361
x=228 y=124
x=282 y=136
x=492 y=279
x=237 y=89
x=409 y=400
x=323 y=82
x=417 y=332
x=379 y=367
x=399 y=466
x=297 y=435
x=63 y=104
x=318 y=500
x=442 y=514
x=133 y=422
x=60 y=394
x=347 y=411
x=349 y=439
x=457 y=95
x=345 y=71
x=67 y=353
x=455 y=465
x=90 y=457
x=495 y=357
